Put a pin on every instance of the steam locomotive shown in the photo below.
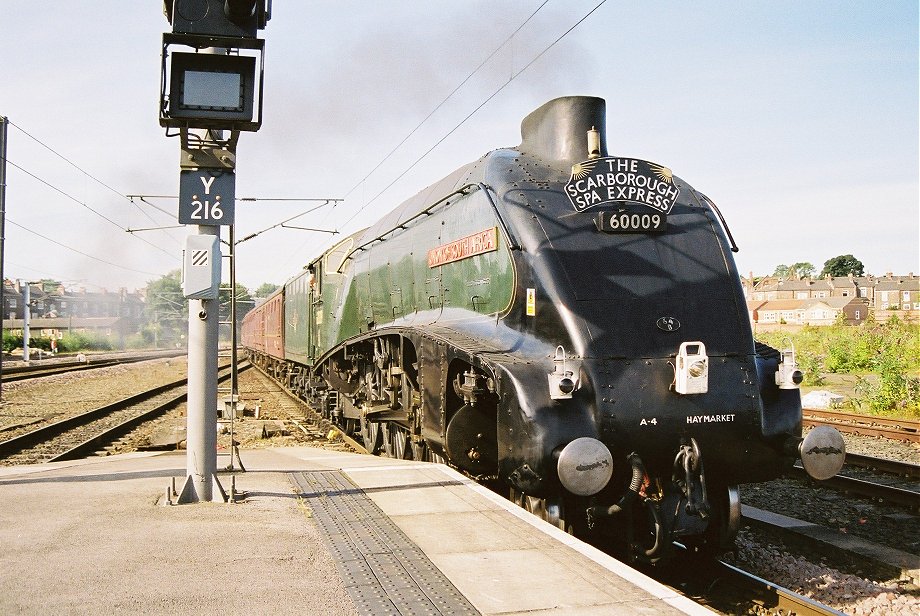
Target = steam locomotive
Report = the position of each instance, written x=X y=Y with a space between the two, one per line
x=565 y=325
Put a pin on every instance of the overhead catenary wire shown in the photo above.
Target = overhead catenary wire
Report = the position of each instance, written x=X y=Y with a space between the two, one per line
x=83 y=204
x=325 y=202
x=446 y=98
x=474 y=111
x=77 y=167
x=143 y=199
x=80 y=252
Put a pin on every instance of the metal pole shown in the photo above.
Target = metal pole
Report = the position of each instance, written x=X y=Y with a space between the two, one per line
x=201 y=431
x=3 y=124
x=201 y=447
x=234 y=371
x=27 y=312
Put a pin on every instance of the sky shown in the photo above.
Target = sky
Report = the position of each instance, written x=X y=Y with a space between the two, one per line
x=799 y=119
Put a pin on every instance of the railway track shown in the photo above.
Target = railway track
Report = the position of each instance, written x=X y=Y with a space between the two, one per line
x=83 y=434
x=873 y=487
x=729 y=589
x=13 y=374
x=899 y=429
x=769 y=596
x=315 y=423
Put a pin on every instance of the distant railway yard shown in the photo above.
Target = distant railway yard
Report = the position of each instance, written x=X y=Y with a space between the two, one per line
x=859 y=551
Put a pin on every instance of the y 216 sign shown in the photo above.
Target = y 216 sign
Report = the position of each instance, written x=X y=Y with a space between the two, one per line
x=206 y=197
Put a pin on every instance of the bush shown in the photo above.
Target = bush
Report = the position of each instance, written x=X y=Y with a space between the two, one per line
x=79 y=341
x=11 y=342
x=138 y=341
x=890 y=350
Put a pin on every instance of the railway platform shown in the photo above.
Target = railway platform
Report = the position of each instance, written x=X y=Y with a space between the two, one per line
x=318 y=532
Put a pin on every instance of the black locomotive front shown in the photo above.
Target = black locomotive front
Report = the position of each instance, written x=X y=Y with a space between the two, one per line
x=643 y=401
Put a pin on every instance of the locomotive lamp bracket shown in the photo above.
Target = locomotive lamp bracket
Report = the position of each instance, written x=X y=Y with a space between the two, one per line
x=562 y=381
x=788 y=375
x=691 y=376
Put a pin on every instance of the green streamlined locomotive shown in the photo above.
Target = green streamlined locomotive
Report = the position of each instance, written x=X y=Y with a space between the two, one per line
x=566 y=325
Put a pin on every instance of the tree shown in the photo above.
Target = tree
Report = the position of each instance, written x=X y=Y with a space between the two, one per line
x=244 y=304
x=265 y=289
x=167 y=310
x=843 y=265
x=49 y=285
x=781 y=271
x=802 y=269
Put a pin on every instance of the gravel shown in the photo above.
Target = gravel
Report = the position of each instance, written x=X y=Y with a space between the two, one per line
x=30 y=404
x=849 y=585
x=807 y=500
x=847 y=592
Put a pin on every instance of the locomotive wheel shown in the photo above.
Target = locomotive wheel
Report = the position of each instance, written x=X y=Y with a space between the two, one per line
x=549 y=510
x=352 y=426
x=401 y=444
x=371 y=433
x=389 y=449
x=725 y=522
x=395 y=442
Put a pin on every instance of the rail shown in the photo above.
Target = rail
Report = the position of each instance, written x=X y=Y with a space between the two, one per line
x=901 y=429
x=29 y=440
x=869 y=489
x=778 y=599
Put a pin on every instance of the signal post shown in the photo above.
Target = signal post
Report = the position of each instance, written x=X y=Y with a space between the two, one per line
x=208 y=91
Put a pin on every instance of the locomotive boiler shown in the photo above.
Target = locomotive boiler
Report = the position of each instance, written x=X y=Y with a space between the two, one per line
x=565 y=325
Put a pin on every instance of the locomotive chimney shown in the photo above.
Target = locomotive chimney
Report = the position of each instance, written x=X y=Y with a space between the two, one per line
x=559 y=130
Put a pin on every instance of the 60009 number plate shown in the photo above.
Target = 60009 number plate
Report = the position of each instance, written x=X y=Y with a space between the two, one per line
x=631 y=222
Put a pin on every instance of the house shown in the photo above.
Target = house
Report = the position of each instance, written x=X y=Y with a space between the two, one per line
x=885 y=296
x=824 y=311
x=779 y=311
x=898 y=293
x=828 y=311
x=50 y=302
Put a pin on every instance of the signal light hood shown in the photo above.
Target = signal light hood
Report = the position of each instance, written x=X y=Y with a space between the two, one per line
x=558 y=130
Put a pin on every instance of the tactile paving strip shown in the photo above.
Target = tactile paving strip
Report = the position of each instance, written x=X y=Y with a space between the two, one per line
x=383 y=570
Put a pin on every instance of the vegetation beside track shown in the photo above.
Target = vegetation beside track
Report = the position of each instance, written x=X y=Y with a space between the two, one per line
x=882 y=358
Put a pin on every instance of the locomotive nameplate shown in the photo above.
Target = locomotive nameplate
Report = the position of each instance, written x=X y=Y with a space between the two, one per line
x=626 y=180
x=464 y=248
